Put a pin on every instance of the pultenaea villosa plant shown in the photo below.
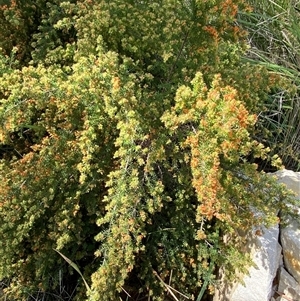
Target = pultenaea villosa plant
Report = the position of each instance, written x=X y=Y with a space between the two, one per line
x=125 y=128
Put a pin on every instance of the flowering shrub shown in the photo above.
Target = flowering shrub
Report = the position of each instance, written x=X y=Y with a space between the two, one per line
x=124 y=147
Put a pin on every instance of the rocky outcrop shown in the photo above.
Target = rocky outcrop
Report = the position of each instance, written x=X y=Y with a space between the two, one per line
x=290 y=235
x=266 y=255
x=275 y=275
x=290 y=240
x=291 y=179
x=288 y=288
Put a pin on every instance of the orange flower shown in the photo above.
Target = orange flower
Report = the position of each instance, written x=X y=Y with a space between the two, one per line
x=116 y=83
x=229 y=8
x=212 y=31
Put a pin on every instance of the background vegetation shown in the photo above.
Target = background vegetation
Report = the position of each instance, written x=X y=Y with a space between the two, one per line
x=129 y=137
x=274 y=36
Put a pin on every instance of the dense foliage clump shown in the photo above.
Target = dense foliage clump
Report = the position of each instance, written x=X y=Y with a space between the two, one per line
x=274 y=37
x=125 y=128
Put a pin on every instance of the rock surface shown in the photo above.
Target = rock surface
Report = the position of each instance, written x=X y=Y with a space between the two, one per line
x=273 y=278
x=266 y=254
x=290 y=235
x=290 y=240
x=288 y=288
x=291 y=179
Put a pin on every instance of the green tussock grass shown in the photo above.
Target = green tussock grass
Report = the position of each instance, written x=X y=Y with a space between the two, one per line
x=274 y=36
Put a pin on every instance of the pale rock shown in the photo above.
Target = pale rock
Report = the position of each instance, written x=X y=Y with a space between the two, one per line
x=291 y=179
x=266 y=254
x=290 y=241
x=288 y=288
x=290 y=235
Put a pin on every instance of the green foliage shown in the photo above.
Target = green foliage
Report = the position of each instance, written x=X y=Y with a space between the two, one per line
x=274 y=36
x=125 y=149
x=37 y=30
